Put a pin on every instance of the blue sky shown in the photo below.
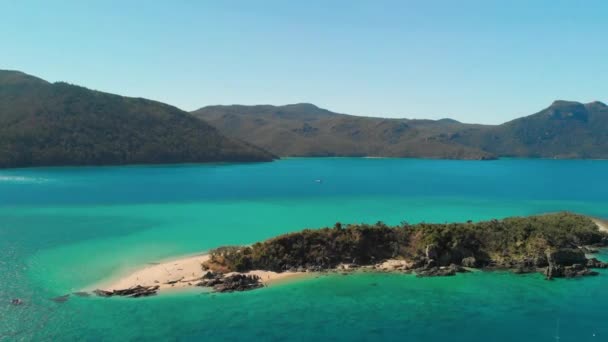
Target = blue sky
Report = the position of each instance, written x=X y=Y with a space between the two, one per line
x=475 y=61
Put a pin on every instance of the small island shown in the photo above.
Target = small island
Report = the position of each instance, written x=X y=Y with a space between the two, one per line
x=557 y=245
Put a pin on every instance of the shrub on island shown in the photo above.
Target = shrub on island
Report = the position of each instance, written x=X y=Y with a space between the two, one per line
x=522 y=243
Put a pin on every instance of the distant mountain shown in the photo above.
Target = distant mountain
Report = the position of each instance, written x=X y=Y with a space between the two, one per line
x=563 y=130
x=307 y=130
x=52 y=124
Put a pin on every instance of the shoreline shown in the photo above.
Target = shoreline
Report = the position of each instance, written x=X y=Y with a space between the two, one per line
x=182 y=273
x=601 y=224
x=186 y=272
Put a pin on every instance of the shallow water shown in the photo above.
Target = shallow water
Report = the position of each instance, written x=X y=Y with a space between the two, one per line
x=65 y=229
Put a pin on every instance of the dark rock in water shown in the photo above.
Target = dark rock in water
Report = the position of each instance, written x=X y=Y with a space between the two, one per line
x=443 y=271
x=61 y=299
x=554 y=271
x=435 y=272
x=569 y=263
x=137 y=291
x=576 y=270
x=81 y=294
x=103 y=293
x=566 y=257
x=430 y=270
x=16 y=301
x=594 y=263
x=133 y=292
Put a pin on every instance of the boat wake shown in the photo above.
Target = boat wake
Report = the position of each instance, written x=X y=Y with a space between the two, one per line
x=21 y=179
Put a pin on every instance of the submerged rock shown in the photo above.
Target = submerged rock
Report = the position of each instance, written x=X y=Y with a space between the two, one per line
x=61 y=299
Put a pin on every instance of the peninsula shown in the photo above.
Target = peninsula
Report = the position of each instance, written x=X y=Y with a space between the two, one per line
x=556 y=245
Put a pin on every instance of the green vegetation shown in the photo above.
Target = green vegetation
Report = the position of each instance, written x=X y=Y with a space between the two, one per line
x=44 y=124
x=527 y=241
x=563 y=130
x=53 y=124
x=306 y=130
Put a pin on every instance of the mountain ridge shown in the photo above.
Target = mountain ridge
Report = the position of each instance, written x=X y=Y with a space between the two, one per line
x=59 y=124
x=565 y=129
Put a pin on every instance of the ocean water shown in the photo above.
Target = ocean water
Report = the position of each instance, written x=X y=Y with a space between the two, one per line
x=67 y=229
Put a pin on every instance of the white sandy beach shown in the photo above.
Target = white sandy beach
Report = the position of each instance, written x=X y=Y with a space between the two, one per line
x=183 y=273
x=601 y=224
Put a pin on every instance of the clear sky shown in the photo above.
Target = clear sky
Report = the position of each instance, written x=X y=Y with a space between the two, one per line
x=476 y=61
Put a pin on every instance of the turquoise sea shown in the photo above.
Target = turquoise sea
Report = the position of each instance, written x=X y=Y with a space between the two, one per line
x=65 y=229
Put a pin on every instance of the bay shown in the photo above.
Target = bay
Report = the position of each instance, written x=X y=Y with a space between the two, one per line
x=65 y=229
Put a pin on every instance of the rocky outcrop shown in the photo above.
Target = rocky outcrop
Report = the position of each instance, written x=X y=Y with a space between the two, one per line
x=469 y=262
x=394 y=265
x=431 y=252
x=231 y=282
x=431 y=270
x=570 y=263
x=560 y=271
x=594 y=263
x=132 y=292
x=566 y=256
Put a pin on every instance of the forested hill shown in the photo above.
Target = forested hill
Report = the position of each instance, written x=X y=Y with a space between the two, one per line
x=53 y=124
x=563 y=130
x=307 y=130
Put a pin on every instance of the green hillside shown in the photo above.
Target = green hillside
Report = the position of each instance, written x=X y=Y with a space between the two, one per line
x=563 y=130
x=306 y=130
x=52 y=124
